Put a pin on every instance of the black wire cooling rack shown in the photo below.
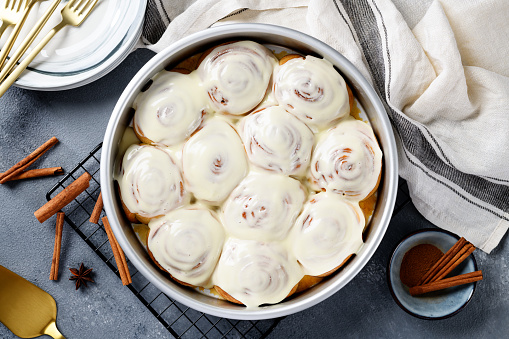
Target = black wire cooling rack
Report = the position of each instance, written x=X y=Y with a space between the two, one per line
x=180 y=320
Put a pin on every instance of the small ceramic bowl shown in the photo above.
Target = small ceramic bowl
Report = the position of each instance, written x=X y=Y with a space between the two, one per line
x=434 y=305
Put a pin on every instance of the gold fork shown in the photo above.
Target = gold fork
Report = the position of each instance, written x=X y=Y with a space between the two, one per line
x=17 y=28
x=20 y=13
x=11 y=13
x=27 y=41
x=73 y=14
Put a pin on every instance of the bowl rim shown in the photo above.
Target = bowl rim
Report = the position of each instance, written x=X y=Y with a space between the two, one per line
x=390 y=166
x=389 y=280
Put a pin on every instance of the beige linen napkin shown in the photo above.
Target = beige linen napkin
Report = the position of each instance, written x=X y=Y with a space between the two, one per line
x=445 y=84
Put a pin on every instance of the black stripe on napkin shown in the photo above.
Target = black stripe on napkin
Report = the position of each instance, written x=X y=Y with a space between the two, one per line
x=364 y=23
x=235 y=13
x=343 y=17
x=164 y=11
x=153 y=27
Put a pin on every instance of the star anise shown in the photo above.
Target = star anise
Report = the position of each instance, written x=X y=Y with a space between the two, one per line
x=81 y=276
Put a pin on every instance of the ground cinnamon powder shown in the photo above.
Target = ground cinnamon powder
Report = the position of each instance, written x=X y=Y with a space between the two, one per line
x=416 y=262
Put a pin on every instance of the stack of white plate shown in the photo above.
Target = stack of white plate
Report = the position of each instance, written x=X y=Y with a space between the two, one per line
x=78 y=56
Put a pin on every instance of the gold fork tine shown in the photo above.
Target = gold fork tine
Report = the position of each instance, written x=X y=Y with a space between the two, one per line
x=74 y=17
x=78 y=4
x=90 y=4
x=70 y=16
x=24 y=3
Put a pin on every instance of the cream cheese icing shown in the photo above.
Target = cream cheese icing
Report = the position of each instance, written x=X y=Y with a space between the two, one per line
x=151 y=183
x=236 y=76
x=312 y=90
x=187 y=243
x=263 y=207
x=171 y=109
x=214 y=161
x=328 y=230
x=277 y=141
x=256 y=273
x=347 y=160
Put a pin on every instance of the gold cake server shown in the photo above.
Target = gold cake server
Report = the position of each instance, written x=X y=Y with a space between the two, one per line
x=25 y=309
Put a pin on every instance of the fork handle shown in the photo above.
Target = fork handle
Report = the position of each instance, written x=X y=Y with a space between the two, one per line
x=24 y=64
x=23 y=47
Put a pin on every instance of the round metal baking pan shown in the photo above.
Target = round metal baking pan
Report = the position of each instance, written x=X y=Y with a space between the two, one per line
x=265 y=34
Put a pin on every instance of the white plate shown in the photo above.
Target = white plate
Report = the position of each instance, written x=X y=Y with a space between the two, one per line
x=78 y=56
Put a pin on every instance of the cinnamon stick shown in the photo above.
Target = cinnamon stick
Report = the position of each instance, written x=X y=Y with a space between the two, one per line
x=446 y=283
x=96 y=213
x=36 y=173
x=123 y=270
x=55 y=261
x=63 y=198
x=442 y=261
x=32 y=161
x=455 y=261
x=20 y=166
x=124 y=264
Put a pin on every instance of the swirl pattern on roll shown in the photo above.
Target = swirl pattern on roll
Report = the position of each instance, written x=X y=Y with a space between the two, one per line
x=328 y=230
x=187 y=243
x=214 y=161
x=151 y=184
x=256 y=272
x=277 y=141
x=170 y=110
x=263 y=207
x=237 y=75
x=312 y=90
x=348 y=160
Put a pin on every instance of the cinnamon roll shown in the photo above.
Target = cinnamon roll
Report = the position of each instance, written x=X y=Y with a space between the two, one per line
x=214 y=161
x=348 y=160
x=236 y=76
x=312 y=90
x=327 y=233
x=187 y=243
x=254 y=273
x=263 y=207
x=170 y=110
x=277 y=141
x=151 y=184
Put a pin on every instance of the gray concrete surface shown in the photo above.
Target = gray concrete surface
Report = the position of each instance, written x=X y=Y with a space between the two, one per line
x=364 y=308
